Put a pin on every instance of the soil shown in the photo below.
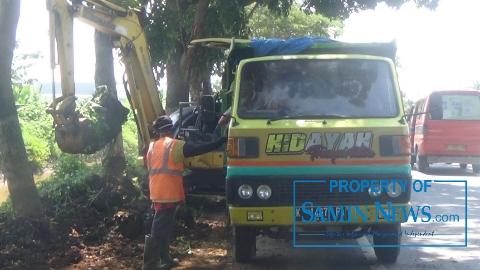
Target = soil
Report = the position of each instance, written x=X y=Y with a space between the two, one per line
x=107 y=232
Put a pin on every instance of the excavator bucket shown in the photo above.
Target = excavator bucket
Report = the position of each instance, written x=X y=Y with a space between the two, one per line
x=93 y=126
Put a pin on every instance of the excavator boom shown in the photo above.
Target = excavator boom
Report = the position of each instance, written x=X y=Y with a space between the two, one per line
x=75 y=132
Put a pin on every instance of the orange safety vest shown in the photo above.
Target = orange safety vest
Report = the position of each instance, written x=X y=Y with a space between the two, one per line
x=166 y=177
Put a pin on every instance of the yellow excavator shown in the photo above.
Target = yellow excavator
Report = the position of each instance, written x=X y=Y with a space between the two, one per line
x=78 y=132
x=75 y=133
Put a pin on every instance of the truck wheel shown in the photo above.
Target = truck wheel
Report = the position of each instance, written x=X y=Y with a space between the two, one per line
x=476 y=168
x=463 y=166
x=244 y=244
x=422 y=163
x=387 y=235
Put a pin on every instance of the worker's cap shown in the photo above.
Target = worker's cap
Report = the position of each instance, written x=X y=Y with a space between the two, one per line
x=163 y=124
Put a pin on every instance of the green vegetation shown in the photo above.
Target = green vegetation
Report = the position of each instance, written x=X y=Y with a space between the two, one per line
x=71 y=172
x=264 y=23
x=37 y=125
x=74 y=177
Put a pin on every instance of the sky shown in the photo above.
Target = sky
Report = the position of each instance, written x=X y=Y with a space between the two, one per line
x=436 y=49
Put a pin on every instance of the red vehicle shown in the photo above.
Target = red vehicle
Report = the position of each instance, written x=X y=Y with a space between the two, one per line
x=449 y=137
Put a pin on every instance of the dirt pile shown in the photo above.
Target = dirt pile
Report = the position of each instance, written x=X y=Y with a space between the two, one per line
x=107 y=230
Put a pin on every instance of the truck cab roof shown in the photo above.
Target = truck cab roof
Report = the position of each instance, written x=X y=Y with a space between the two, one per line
x=246 y=48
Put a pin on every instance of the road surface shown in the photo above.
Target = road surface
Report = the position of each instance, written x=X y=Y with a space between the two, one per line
x=444 y=198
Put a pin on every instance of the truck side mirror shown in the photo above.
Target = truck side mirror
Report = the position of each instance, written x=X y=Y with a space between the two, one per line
x=207 y=103
x=436 y=106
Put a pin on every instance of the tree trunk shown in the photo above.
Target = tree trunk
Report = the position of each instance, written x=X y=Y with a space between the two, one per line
x=197 y=32
x=177 y=87
x=23 y=192
x=207 y=83
x=196 y=85
x=200 y=84
x=178 y=68
x=114 y=159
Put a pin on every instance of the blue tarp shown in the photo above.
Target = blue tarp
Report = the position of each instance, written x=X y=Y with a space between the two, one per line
x=275 y=46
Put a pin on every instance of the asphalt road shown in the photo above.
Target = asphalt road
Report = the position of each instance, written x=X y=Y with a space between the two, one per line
x=443 y=197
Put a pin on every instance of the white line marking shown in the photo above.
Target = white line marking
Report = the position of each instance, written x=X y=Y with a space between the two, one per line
x=370 y=254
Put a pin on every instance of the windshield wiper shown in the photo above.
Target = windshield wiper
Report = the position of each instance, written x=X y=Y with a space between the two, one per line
x=307 y=116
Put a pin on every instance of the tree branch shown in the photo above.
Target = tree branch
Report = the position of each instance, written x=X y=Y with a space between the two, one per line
x=252 y=11
x=197 y=32
x=245 y=3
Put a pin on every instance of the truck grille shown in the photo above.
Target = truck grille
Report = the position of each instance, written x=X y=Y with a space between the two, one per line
x=317 y=193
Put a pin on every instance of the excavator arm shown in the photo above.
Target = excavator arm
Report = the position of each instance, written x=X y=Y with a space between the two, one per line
x=74 y=132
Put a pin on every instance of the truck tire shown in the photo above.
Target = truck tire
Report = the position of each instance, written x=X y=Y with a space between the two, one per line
x=244 y=244
x=422 y=163
x=387 y=254
x=476 y=168
x=463 y=166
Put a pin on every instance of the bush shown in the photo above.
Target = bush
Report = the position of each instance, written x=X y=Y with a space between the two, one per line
x=69 y=181
x=36 y=126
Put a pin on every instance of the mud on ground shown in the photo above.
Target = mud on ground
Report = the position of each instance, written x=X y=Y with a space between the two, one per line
x=108 y=233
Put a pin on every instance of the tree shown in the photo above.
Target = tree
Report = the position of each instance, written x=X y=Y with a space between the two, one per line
x=174 y=23
x=264 y=23
x=114 y=158
x=35 y=124
x=21 y=185
x=340 y=9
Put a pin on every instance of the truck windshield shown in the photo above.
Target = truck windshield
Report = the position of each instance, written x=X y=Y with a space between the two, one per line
x=294 y=87
x=461 y=107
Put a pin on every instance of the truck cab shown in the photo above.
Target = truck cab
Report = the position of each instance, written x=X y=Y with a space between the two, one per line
x=307 y=115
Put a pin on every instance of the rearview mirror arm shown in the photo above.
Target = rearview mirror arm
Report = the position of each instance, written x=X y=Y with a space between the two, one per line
x=410 y=115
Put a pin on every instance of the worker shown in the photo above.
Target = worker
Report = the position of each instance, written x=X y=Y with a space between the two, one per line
x=226 y=115
x=246 y=102
x=273 y=100
x=165 y=159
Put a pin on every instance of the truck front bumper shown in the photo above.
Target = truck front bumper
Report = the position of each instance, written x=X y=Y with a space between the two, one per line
x=453 y=159
x=285 y=215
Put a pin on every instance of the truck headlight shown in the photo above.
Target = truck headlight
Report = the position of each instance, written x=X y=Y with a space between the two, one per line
x=374 y=191
x=394 y=189
x=264 y=192
x=245 y=191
